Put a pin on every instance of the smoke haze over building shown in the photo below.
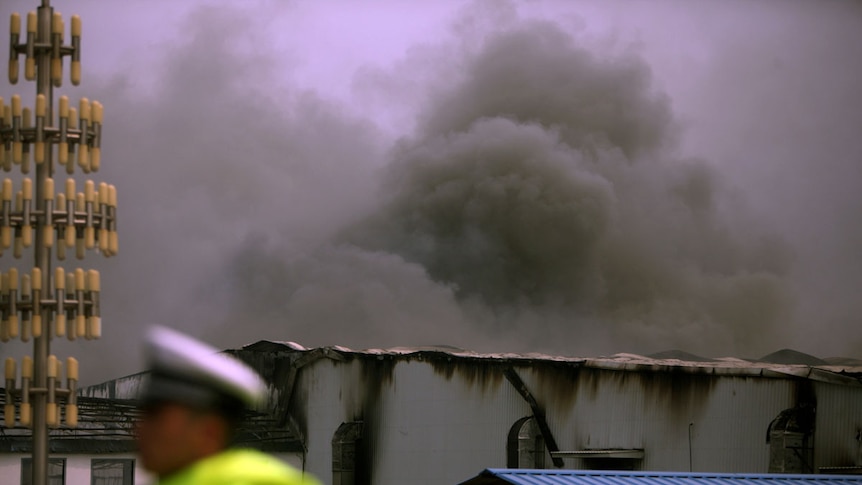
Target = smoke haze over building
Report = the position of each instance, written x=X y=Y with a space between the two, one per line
x=578 y=178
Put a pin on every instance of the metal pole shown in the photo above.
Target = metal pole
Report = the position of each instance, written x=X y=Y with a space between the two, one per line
x=690 y=466
x=41 y=387
x=41 y=345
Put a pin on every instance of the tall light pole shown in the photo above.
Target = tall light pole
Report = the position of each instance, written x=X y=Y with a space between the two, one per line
x=40 y=303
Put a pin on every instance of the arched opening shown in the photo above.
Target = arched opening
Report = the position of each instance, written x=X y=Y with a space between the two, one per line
x=346 y=448
x=790 y=437
x=525 y=447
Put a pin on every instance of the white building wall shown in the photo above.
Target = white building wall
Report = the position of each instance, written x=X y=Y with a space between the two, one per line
x=128 y=387
x=77 y=468
x=838 y=426
x=423 y=423
x=10 y=468
x=292 y=459
x=605 y=409
x=730 y=435
x=321 y=387
x=437 y=421
x=443 y=429
x=434 y=425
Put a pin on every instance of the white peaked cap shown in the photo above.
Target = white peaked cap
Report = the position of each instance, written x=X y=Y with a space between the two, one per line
x=197 y=364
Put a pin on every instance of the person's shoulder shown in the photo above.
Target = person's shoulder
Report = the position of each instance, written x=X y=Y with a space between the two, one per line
x=251 y=467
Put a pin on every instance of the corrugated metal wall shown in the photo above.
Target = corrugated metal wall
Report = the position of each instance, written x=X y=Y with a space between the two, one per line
x=322 y=399
x=438 y=422
x=440 y=419
x=420 y=422
x=440 y=428
x=838 y=426
x=605 y=409
x=124 y=388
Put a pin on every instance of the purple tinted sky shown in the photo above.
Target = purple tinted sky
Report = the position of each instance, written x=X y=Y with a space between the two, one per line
x=766 y=93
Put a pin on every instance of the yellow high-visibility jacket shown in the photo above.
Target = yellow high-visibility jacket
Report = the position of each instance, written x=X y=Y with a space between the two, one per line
x=239 y=467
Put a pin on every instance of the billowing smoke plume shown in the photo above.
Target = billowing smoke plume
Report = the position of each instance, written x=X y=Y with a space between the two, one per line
x=545 y=181
x=210 y=155
x=536 y=199
x=539 y=202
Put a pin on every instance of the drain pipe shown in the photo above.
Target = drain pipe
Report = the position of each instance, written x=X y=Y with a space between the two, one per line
x=689 y=446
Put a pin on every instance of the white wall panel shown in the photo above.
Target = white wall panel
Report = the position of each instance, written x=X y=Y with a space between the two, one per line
x=838 y=426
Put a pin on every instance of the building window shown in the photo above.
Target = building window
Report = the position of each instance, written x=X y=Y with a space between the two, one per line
x=348 y=457
x=56 y=471
x=112 y=472
x=525 y=447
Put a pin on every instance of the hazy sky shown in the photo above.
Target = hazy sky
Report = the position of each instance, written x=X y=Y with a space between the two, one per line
x=579 y=178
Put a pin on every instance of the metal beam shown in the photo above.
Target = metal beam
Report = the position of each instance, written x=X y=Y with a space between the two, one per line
x=538 y=413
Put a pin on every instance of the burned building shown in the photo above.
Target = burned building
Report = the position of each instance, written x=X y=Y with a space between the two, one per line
x=440 y=415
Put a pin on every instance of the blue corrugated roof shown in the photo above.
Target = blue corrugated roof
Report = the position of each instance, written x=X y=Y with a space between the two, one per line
x=502 y=476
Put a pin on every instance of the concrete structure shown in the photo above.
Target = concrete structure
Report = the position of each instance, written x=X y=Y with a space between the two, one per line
x=440 y=415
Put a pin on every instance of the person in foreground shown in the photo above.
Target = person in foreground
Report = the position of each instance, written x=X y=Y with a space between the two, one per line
x=191 y=407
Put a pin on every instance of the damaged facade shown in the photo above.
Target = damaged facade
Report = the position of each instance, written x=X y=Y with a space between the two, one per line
x=438 y=416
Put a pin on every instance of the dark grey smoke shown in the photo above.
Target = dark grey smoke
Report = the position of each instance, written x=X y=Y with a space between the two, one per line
x=535 y=73
x=207 y=154
x=546 y=181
